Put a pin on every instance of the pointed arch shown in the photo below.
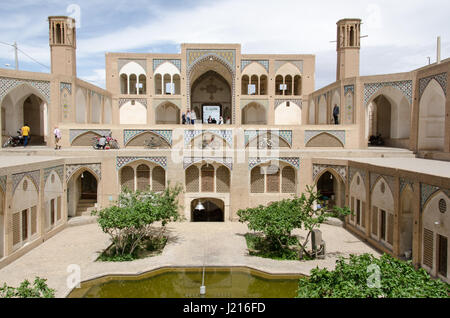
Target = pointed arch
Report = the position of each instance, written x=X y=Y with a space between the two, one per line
x=325 y=139
x=312 y=113
x=80 y=109
x=133 y=114
x=132 y=68
x=167 y=113
x=323 y=111
x=431 y=134
x=288 y=115
x=254 y=114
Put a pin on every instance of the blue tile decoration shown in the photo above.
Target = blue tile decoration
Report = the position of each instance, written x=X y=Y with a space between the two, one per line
x=293 y=161
x=388 y=179
x=59 y=171
x=340 y=170
x=349 y=88
x=297 y=63
x=158 y=62
x=298 y=102
x=122 y=161
x=227 y=56
x=189 y=161
x=405 y=182
x=129 y=134
x=33 y=175
x=370 y=89
x=353 y=171
x=427 y=190
x=74 y=133
x=95 y=168
x=339 y=134
x=67 y=86
x=264 y=63
x=3 y=183
x=227 y=135
x=122 y=101
x=8 y=84
x=286 y=135
x=440 y=78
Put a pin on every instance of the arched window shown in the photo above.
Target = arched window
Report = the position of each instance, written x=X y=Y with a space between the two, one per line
x=127 y=178
x=143 y=177
x=133 y=84
x=255 y=82
x=123 y=84
x=192 y=179
x=278 y=84
x=142 y=84
x=297 y=85
x=158 y=84
x=273 y=180
x=223 y=180
x=257 y=182
x=288 y=82
x=288 y=180
x=263 y=85
x=167 y=84
x=177 y=83
x=158 y=179
x=58 y=34
x=245 y=81
x=207 y=178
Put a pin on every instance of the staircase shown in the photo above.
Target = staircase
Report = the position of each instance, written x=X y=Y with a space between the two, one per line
x=85 y=206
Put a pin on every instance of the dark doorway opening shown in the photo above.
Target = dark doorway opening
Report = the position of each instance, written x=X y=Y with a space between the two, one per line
x=442 y=261
x=325 y=185
x=88 y=186
x=213 y=211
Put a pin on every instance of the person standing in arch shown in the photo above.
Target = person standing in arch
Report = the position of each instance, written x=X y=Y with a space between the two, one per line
x=193 y=117
x=336 y=114
x=57 y=134
x=25 y=134
x=188 y=117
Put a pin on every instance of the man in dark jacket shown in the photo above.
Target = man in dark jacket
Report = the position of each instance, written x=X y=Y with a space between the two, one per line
x=336 y=114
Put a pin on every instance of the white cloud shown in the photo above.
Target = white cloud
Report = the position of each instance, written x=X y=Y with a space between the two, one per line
x=97 y=77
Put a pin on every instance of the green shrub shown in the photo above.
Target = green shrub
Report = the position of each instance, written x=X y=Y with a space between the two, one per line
x=130 y=222
x=277 y=220
x=39 y=289
x=354 y=277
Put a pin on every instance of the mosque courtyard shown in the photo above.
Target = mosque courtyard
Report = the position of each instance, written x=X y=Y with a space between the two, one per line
x=190 y=245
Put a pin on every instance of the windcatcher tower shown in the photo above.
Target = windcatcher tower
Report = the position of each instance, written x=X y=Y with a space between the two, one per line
x=348 y=46
x=63 y=46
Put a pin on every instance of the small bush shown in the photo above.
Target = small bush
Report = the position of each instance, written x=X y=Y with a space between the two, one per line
x=354 y=278
x=129 y=223
x=260 y=246
x=39 y=289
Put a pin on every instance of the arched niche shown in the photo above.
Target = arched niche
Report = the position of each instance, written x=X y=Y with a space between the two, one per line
x=133 y=114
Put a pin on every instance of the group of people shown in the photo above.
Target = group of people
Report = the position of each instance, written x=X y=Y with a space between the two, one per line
x=25 y=132
x=189 y=118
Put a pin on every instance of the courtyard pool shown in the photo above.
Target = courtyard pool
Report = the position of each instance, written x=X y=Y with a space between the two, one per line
x=220 y=282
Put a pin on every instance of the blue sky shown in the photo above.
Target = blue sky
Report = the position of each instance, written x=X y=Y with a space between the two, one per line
x=402 y=34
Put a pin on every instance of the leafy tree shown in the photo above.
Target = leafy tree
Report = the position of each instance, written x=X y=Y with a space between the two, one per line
x=39 y=289
x=131 y=220
x=279 y=219
x=356 y=277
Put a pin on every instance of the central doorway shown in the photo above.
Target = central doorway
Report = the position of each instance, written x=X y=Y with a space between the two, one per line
x=213 y=210
x=331 y=189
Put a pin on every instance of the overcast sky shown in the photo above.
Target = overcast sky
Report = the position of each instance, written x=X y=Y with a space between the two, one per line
x=402 y=34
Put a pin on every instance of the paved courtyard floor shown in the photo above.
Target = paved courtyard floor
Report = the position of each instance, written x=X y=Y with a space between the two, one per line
x=191 y=244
